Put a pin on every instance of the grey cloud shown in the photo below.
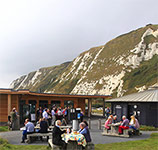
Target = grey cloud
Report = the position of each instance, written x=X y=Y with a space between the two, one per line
x=35 y=34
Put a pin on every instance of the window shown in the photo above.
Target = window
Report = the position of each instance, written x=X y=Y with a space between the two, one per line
x=69 y=104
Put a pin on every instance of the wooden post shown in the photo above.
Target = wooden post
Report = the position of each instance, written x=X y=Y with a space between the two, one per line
x=99 y=124
x=89 y=107
x=62 y=103
x=103 y=107
x=89 y=123
x=9 y=104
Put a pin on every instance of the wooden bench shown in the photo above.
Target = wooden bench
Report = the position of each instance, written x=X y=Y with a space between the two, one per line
x=53 y=147
x=112 y=133
x=35 y=135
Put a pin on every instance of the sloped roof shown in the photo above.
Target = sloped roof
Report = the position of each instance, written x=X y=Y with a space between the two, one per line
x=25 y=91
x=145 y=96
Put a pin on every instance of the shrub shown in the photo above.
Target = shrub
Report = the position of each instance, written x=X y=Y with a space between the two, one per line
x=148 y=128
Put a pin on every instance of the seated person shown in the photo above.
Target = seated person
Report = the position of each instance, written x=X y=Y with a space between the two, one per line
x=56 y=139
x=85 y=131
x=134 y=124
x=29 y=130
x=114 y=120
x=43 y=126
x=108 y=121
x=124 y=125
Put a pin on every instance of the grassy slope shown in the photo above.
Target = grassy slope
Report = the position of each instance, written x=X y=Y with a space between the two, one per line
x=66 y=86
x=147 y=144
x=49 y=74
x=146 y=74
x=119 y=46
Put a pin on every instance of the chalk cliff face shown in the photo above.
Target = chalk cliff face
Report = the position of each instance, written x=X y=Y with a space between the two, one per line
x=126 y=64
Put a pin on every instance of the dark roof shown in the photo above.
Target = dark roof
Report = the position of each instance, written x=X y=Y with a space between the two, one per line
x=145 y=96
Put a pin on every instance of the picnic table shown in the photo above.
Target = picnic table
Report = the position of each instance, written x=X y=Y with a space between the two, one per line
x=75 y=140
x=114 y=130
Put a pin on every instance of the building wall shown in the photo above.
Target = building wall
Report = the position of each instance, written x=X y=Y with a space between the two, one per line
x=152 y=114
x=15 y=99
x=146 y=113
x=3 y=107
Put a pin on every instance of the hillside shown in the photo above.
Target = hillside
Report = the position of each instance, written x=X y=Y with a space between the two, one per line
x=39 y=80
x=126 y=64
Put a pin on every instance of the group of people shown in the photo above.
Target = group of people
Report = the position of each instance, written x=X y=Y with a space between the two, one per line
x=124 y=124
x=57 y=113
x=57 y=132
x=45 y=118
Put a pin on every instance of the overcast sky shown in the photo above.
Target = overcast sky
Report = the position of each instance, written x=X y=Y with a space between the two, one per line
x=42 y=33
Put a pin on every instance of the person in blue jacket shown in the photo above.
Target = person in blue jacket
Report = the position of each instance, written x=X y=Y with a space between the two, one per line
x=85 y=131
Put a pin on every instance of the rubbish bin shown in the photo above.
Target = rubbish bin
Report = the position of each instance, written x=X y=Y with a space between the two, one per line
x=75 y=125
x=78 y=113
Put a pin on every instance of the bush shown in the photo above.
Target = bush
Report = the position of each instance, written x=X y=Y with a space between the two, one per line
x=148 y=128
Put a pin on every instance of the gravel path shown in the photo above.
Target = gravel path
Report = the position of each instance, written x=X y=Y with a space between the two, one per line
x=14 y=137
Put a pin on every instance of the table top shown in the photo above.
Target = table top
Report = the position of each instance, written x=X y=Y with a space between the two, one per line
x=81 y=140
x=62 y=127
x=115 y=124
x=23 y=128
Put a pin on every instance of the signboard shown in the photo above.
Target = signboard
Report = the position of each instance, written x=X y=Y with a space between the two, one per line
x=33 y=117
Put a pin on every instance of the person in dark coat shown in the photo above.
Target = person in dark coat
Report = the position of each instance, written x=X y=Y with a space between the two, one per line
x=57 y=139
x=44 y=126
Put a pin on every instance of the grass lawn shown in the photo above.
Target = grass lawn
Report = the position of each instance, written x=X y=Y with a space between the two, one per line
x=147 y=144
x=4 y=145
x=4 y=128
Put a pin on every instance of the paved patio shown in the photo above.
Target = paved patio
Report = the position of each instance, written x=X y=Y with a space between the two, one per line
x=14 y=137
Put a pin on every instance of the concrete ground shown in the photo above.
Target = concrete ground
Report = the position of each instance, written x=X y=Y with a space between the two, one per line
x=14 y=137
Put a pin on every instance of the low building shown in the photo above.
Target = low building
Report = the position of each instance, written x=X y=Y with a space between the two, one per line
x=143 y=104
x=27 y=103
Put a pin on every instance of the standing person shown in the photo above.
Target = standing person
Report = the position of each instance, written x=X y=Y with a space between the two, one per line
x=45 y=114
x=56 y=139
x=49 y=117
x=107 y=112
x=39 y=113
x=53 y=115
x=29 y=129
x=124 y=125
x=14 y=118
x=59 y=114
x=66 y=114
